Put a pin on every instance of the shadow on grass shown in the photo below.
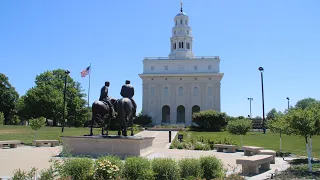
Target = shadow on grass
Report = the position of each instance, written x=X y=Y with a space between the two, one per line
x=299 y=169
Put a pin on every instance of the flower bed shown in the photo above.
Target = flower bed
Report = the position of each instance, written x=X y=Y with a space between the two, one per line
x=205 y=144
x=132 y=168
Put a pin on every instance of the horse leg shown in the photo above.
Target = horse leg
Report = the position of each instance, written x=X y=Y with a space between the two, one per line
x=119 y=130
x=93 y=117
x=131 y=118
x=102 y=130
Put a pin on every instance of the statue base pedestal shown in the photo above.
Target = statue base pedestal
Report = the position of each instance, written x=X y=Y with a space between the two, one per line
x=96 y=146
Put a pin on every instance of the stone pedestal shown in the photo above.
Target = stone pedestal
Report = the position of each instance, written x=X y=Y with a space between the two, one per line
x=96 y=146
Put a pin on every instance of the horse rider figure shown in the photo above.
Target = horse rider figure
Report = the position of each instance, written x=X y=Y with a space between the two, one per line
x=127 y=91
x=105 y=98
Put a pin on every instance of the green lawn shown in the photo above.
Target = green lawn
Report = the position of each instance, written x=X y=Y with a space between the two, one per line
x=293 y=144
x=26 y=135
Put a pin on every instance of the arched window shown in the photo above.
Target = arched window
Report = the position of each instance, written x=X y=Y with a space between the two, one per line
x=176 y=22
x=180 y=21
x=182 y=45
x=175 y=45
x=180 y=91
x=174 y=32
x=188 y=46
x=152 y=91
x=179 y=44
x=186 y=22
x=195 y=91
x=165 y=91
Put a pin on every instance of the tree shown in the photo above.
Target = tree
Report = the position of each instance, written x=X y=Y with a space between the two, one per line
x=46 y=99
x=279 y=125
x=305 y=123
x=36 y=124
x=239 y=127
x=8 y=97
x=304 y=103
x=1 y=118
x=271 y=114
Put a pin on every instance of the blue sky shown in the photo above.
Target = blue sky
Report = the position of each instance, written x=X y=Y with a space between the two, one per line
x=115 y=36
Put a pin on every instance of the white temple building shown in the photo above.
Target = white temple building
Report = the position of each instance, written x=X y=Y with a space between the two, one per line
x=176 y=86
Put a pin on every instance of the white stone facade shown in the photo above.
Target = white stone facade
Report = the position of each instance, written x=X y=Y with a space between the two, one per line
x=176 y=86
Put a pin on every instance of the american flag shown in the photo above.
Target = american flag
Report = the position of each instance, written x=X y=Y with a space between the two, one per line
x=85 y=72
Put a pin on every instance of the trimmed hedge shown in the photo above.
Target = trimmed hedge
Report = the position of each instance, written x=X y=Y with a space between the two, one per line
x=210 y=120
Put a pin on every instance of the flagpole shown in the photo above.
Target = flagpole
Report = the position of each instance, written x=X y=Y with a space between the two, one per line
x=89 y=94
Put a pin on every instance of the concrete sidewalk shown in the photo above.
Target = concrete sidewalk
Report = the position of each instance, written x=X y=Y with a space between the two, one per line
x=161 y=139
x=26 y=157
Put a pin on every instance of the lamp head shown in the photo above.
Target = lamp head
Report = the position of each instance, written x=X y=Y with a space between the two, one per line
x=288 y=98
x=261 y=69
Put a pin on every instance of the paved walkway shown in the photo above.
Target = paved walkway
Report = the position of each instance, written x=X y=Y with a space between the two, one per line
x=161 y=139
x=26 y=157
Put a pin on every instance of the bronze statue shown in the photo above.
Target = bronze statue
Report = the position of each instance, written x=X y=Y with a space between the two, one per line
x=100 y=114
x=128 y=91
x=125 y=108
x=105 y=98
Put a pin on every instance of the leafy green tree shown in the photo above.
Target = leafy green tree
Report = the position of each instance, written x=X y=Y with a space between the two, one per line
x=305 y=123
x=279 y=125
x=46 y=99
x=239 y=127
x=271 y=114
x=1 y=118
x=304 y=103
x=36 y=124
x=8 y=97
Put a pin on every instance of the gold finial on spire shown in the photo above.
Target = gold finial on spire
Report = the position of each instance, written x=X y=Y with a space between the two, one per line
x=181 y=6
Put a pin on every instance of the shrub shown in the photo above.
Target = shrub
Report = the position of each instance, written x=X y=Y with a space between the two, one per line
x=77 y=168
x=1 y=118
x=165 y=169
x=37 y=123
x=190 y=167
x=23 y=175
x=225 y=140
x=239 y=127
x=142 y=119
x=210 y=120
x=114 y=160
x=211 y=167
x=137 y=168
x=104 y=169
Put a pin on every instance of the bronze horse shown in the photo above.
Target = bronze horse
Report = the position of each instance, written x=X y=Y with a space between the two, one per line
x=124 y=118
x=101 y=114
x=124 y=109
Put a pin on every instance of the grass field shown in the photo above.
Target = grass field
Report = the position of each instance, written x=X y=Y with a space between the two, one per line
x=26 y=135
x=293 y=144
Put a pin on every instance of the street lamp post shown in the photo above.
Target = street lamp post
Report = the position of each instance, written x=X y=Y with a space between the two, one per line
x=64 y=99
x=250 y=99
x=263 y=119
x=288 y=102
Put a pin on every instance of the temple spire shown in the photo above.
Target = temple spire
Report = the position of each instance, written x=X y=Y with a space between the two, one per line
x=181 y=6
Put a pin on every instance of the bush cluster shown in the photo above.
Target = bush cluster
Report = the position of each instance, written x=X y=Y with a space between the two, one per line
x=199 y=143
x=210 y=120
x=133 y=168
x=142 y=120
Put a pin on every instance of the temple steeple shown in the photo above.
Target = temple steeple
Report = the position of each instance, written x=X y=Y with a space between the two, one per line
x=181 y=39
